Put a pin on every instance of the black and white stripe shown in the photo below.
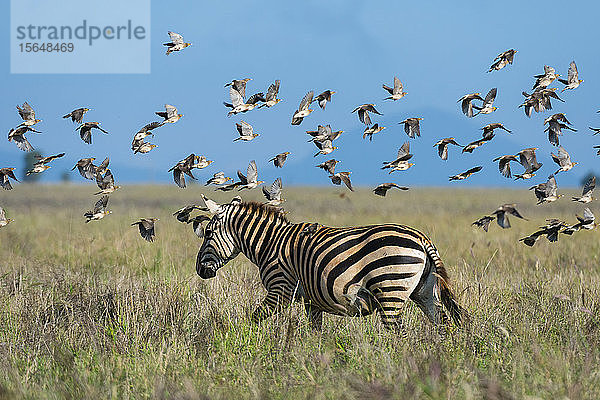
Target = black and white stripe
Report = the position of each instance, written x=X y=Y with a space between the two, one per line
x=343 y=271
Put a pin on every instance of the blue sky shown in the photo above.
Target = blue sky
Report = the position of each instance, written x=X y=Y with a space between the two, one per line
x=439 y=50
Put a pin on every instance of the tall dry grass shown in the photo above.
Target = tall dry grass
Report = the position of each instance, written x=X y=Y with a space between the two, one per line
x=92 y=310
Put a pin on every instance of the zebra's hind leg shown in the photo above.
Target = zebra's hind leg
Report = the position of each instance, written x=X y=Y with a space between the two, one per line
x=424 y=297
x=391 y=317
x=315 y=315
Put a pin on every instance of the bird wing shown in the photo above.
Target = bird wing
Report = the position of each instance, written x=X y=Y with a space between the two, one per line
x=345 y=177
x=573 y=75
x=589 y=186
x=273 y=90
x=404 y=150
x=176 y=38
x=252 y=172
x=551 y=189
x=490 y=97
x=50 y=158
x=398 y=88
x=26 y=112
x=306 y=100
x=179 y=177
x=473 y=170
x=246 y=129
x=101 y=204
x=236 y=97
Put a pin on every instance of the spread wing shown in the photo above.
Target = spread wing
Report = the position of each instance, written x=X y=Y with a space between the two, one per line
x=236 y=97
x=252 y=172
x=490 y=97
x=589 y=186
x=273 y=90
x=305 y=103
x=573 y=74
x=176 y=38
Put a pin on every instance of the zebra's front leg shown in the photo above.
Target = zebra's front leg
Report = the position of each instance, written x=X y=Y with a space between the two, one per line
x=275 y=301
x=315 y=315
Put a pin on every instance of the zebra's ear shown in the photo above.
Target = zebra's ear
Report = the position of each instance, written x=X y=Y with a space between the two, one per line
x=212 y=206
x=236 y=200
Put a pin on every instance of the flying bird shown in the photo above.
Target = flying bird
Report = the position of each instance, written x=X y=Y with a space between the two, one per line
x=99 y=210
x=246 y=132
x=239 y=85
x=271 y=97
x=146 y=227
x=466 y=174
x=381 y=189
x=466 y=103
x=504 y=164
x=502 y=60
x=572 y=81
x=551 y=230
x=563 y=160
x=18 y=137
x=303 y=110
x=588 y=189
x=176 y=44
x=183 y=167
x=218 y=179
x=323 y=98
x=273 y=194
x=77 y=114
x=170 y=115
x=340 y=177
x=484 y=222
x=411 y=127
x=183 y=214
x=106 y=182
x=237 y=104
x=325 y=147
x=329 y=166
x=27 y=115
x=397 y=92
x=488 y=103
x=488 y=130
x=146 y=130
x=544 y=80
x=502 y=217
x=546 y=192
x=279 y=159
x=6 y=173
x=3 y=220
x=475 y=144
x=40 y=164
x=141 y=146
x=250 y=180
x=363 y=113
x=528 y=160
x=442 y=146
x=85 y=131
x=556 y=123
x=401 y=162
x=370 y=131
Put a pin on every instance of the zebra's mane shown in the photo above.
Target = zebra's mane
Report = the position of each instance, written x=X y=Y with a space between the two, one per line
x=268 y=210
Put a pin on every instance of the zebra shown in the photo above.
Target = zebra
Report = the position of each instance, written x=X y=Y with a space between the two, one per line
x=343 y=271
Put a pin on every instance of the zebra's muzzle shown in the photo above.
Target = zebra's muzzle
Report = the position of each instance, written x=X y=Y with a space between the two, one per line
x=207 y=269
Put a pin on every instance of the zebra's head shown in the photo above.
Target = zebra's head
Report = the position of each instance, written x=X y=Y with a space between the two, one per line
x=219 y=246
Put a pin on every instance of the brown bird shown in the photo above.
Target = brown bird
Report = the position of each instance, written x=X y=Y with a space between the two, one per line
x=146 y=227
x=324 y=133
x=572 y=81
x=397 y=92
x=6 y=173
x=488 y=103
x=18 y=137
x=588 y=221
x=588 y=189
x=411 y=127
x=99 y=210
x=273 y=194
x=363 y=113
x=546 y=192
x=502 y=217
x=442 y=146
x=183 y=167
x=237 y=104
x=329 y=166
x=106 y=183
x=539 y=100
x=279 y=159
x=381 y=190
x=466 y=174
x=197 y=224
x=401 y=162
x=85 y=131
x=545 y=79
x=556 y=123
x=325 y=147
x=466 y=103
x=3 y=220
x=141 y=146
x=176 y=44
x=28 y=115
x=218 y=179
x=40 y=164
x=488 y=130
x=551 y=230
x=340 y=177
x=146 y=130
x=303 y=110
x=475 y=144
x=484 y=222
x=170 y=114
x=504 y=164
x=370 y=131
x=528 y=160
x=502 y=60
x=323 y=98
x=77 y=114
x=563 y=160
x=250 y=180
x=240 y=86
x=271 y=97
x=246 y=132
x=183 y=214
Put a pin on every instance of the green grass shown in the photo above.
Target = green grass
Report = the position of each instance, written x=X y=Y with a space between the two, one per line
x=92 y=310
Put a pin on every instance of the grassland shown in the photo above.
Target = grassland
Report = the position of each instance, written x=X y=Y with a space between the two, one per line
x=93 y=311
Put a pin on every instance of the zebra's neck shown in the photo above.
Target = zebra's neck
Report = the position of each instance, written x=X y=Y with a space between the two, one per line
x=256 y=232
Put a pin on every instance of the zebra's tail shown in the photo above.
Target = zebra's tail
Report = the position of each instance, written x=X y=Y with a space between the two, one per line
x=442 y=290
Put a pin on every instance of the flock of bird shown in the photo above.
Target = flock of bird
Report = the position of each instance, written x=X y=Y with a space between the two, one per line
x=471 y=104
